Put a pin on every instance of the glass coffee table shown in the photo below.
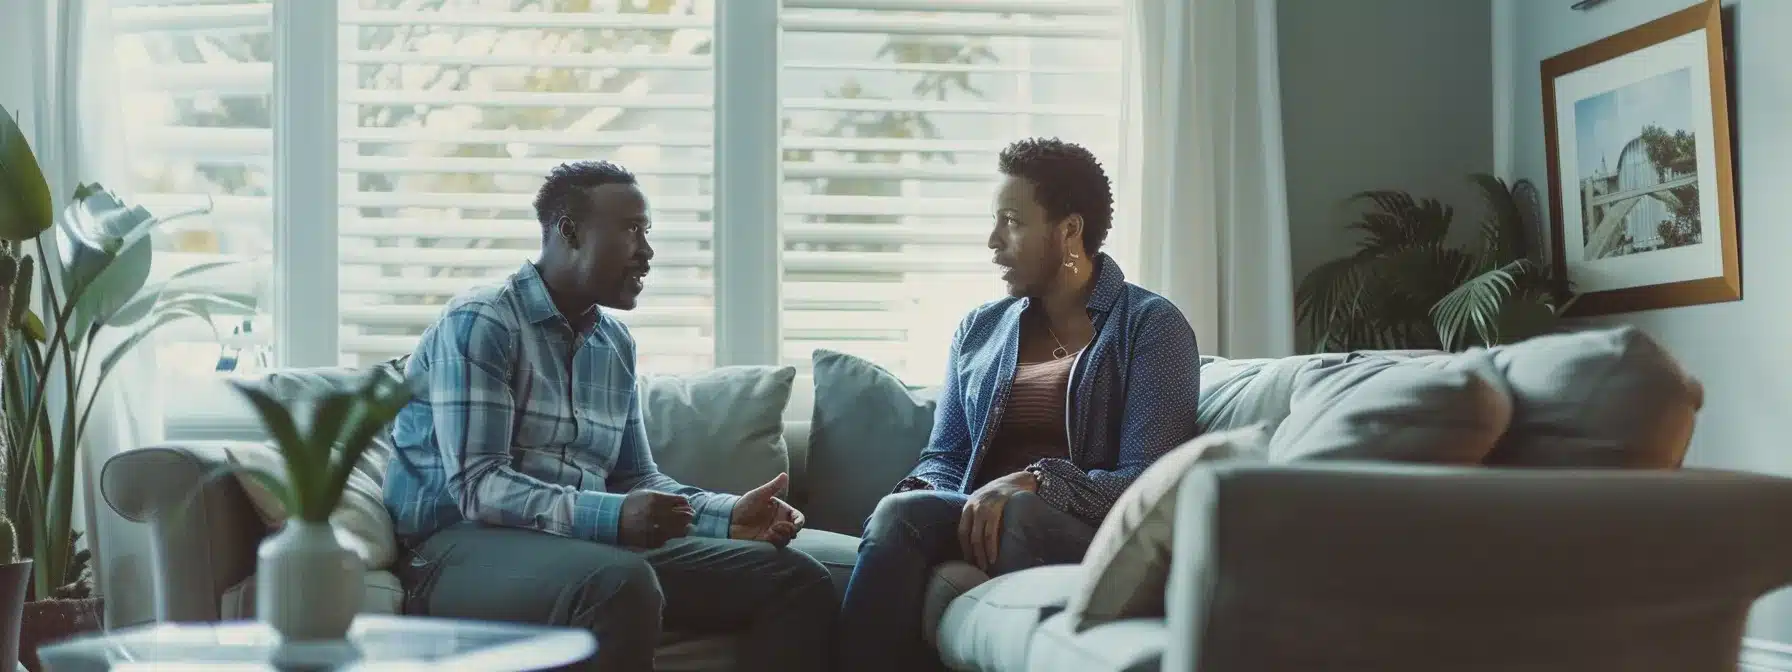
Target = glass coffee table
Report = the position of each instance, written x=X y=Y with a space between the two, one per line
x=376 y=642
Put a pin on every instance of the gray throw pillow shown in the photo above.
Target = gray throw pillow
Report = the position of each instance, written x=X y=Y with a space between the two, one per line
x=867 y=432
x=1592 y=399
x=1446 y=409
x=721 y=429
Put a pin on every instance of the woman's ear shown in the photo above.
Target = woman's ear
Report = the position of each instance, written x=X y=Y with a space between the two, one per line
x=1073 y=233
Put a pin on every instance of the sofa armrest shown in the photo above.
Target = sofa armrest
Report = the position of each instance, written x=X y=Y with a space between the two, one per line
x=203 y=528
x=1391 y=567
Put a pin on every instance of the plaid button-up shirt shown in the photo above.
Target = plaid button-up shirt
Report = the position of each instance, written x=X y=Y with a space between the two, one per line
x=520 y=422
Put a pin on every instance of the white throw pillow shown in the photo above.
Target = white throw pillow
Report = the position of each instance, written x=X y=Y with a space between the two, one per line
x=1128 y=563
x=362 y=524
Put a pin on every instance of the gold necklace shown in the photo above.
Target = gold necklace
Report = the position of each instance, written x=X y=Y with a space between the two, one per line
x=1059 y=352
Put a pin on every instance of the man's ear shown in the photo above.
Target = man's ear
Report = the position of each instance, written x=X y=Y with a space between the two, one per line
x=564 y=228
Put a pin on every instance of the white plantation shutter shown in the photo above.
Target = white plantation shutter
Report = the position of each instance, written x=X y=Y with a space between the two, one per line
x=197 y=85
x=448 y=114
x=453 y=112
x=894 y=112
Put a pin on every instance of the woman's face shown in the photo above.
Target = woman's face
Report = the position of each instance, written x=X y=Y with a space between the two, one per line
x=1029 y=247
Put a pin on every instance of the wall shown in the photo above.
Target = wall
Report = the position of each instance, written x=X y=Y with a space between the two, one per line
x=1741 y=350
x=1381 y=94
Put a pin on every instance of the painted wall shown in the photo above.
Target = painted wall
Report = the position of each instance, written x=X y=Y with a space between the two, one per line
x=1381 y=94
x=1741 y=350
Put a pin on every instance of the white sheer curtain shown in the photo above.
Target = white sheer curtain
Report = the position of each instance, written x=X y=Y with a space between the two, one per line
x=1205 y=169
x=59 y=77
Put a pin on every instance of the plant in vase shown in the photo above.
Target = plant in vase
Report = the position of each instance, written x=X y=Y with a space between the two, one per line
x=94 y=285
x=307 y=585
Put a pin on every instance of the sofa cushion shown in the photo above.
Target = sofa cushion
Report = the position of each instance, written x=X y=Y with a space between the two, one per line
x=383 y=595
x=1605 y=398
x=721 y=429
x=866 y=433
x=1448 y=409
x=991 y=626
x=945 y=583
x=1128 y=562
x=1243 y=392
x=838 y=552
x=1132 y=645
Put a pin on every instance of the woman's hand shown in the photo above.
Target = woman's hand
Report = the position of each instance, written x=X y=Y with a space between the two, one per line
x=980 y=526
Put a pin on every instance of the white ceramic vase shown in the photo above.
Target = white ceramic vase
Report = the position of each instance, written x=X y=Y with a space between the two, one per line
x=307 y=586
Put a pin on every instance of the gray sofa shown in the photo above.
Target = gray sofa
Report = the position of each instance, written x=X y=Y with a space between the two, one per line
x=1349 y=564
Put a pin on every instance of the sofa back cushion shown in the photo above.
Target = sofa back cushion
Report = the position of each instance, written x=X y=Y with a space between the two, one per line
x=722 y=429
x=1448 y=409
x=866 y=434
x=1245 y=392
x=1600 y=398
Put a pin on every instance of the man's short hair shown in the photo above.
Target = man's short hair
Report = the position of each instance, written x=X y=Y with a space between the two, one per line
x=563 y=194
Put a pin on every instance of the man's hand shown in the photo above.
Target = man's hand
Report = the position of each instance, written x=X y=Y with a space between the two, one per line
x=980 y=526
x=761 y=516
x=651 y=518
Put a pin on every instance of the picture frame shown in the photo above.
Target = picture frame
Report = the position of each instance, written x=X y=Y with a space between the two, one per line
x=1641 y=185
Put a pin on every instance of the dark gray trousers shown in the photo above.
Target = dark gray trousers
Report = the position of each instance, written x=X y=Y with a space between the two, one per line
x=779 y=601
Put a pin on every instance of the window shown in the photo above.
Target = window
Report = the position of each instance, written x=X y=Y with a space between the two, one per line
x=198 y=81
x=451 y=113
x=893 y=115
x=844 y=208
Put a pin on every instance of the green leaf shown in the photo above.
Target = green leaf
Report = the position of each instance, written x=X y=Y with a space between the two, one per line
x=1477 y=305
x=1503 y=232
x=34 y=327
x=25 y=206
x=118 y=280
x=144 y=302
x=285 y=433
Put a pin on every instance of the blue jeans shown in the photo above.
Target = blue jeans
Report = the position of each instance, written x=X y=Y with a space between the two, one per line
x=909 y=533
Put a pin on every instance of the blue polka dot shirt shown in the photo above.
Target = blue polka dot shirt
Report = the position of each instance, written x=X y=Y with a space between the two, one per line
x=1134 y=392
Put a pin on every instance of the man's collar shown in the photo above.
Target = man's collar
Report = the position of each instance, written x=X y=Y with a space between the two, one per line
x=538 y=307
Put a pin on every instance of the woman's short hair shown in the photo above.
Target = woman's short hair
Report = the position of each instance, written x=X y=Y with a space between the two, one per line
x=1067 y=179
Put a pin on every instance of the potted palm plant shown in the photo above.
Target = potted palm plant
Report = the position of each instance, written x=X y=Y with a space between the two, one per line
x=96 y=279
x=1407 y=288
x=307 y=585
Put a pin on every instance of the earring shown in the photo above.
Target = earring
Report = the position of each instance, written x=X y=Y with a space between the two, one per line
x=1071 y=263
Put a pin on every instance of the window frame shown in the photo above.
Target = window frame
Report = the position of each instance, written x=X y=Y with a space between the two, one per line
x=308 y=120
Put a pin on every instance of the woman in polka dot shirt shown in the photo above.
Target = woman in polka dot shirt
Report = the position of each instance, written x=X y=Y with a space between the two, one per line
x=1056 y=398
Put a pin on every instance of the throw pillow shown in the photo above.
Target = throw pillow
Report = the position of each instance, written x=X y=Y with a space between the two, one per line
x=360 y=520
x=1128 y=563
x=1446 y=409
x=866 y=433
x=1595 y=399
x=722 y=429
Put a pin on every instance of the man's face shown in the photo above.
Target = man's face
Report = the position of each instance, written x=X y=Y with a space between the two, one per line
x=613 y=255
x=1026 y=242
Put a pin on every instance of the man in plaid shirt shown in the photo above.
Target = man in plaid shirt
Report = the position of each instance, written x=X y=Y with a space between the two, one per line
x=523 y=487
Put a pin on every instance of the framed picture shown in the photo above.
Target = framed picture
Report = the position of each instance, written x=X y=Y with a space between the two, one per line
x=1641 y=195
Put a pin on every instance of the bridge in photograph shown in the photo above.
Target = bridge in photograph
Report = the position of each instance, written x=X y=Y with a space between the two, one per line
x=1633 y=199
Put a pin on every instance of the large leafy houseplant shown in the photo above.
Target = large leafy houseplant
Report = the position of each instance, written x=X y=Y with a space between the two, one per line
x=99 y=280
x=1407 y=287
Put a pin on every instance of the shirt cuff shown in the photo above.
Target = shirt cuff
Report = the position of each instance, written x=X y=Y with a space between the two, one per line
x=714 y=514
x=598 y=516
